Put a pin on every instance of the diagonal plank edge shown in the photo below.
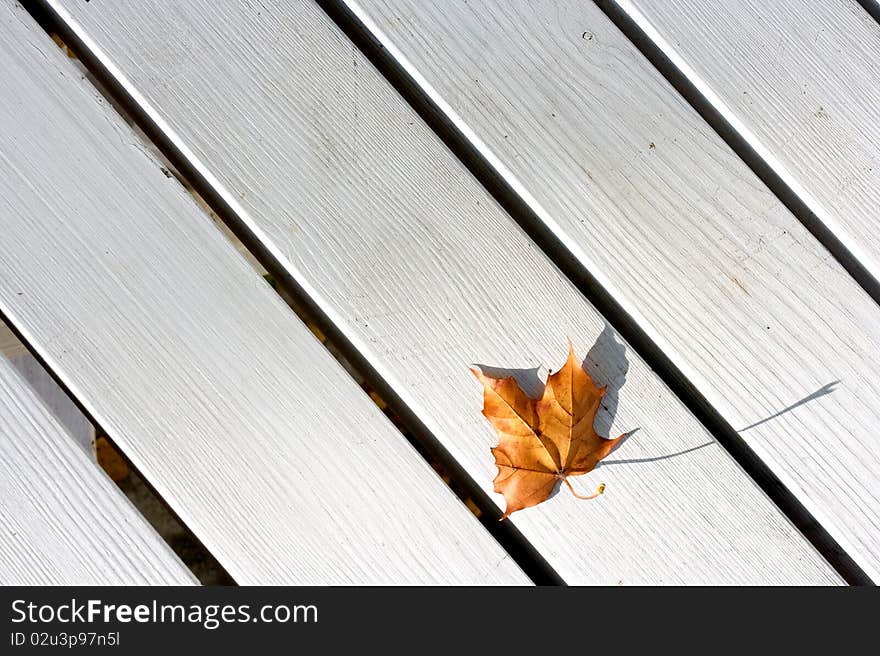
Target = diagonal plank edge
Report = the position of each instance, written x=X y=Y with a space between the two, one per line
x=731 y=287
x=773 y=104
x=872 y=7
x=217 y=393
x=64 y=522
x=546 y=233
x=424 y=274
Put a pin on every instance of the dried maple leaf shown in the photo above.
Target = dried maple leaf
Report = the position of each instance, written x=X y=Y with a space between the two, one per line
x=546 y=440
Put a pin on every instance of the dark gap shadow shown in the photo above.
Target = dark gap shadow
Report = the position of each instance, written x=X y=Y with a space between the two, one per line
x=152 y=507
x=591 y=287
x=822 y=391
x=872 y=8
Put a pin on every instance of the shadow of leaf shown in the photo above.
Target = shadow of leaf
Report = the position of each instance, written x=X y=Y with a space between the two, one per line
x=607 y=364
x=531 y=381
x=822 y=391
x=635 y=461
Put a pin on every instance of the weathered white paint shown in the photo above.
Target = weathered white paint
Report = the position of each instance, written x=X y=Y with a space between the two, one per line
x=62 y=521
x=236 y=415
x=655 y=205
x=800 y=80
x=425 y=275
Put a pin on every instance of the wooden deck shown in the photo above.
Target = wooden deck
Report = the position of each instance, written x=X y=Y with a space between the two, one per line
x=438 y=185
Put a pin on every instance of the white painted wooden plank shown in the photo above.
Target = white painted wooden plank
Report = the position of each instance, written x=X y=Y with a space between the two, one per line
x=672 y=223
x=800 y=81
x=425 y=274
x=62 y=521
x=56 y=400
x=204 y=378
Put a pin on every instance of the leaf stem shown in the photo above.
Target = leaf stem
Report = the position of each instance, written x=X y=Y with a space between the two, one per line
x=599 y=490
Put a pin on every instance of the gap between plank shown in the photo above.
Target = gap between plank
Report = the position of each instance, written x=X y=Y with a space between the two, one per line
x=740 y=144
x=300 y=299
x=222 y=574
x=591 y=288
x=507 y=535
x=872 y=7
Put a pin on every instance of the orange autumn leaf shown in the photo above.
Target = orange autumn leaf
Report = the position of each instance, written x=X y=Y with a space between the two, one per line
x=546 y=440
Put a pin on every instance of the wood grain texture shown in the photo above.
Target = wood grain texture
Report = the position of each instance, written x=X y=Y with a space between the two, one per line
x=63 y=521
x=687 y=239
x=56 y=400
x=425 y=275
x=223 y=400
x=800 y=81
